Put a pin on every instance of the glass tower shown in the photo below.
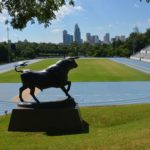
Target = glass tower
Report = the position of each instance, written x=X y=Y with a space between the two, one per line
x=77 y=34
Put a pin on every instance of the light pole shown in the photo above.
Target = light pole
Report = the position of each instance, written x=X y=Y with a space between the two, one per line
x=8 y=44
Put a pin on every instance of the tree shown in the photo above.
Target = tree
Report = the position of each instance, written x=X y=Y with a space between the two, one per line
x=23 y=11
x=147 y=37
x=146 y=1
x=3 y=52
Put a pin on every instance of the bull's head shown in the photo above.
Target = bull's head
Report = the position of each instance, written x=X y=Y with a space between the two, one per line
x=72 y=63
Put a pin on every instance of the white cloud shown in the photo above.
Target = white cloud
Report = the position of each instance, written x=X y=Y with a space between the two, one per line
x=56 y=30
x=79 y=8
x=136 y=5
x=3 y=16
x=67 y=10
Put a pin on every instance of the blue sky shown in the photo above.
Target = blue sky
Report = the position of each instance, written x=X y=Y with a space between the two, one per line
x=117 y=17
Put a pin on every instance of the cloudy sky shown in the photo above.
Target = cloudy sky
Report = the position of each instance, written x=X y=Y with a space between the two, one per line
x=117 y=17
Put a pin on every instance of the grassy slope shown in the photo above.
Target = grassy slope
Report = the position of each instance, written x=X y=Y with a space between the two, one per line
x=111 y=128
x=88 y=70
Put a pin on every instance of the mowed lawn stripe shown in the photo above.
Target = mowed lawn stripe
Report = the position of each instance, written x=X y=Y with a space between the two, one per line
x=89 y=70
x=105 y=70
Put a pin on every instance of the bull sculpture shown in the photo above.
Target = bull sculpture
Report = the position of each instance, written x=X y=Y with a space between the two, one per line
x=55 y=75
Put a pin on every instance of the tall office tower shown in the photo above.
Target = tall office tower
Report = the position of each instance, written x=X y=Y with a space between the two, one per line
x=70 y=39
x=123 y=38
x=117 y=38
x=77 y=34
x=67 y=38
x=107 y=38
x=95 y=39
x=88 y=38
x=136 y=29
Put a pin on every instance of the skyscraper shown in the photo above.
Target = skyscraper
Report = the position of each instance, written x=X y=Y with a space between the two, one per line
x=67 y=38
x=107 y=38
x=136 y=29
x=88 y=37
x=77 y=34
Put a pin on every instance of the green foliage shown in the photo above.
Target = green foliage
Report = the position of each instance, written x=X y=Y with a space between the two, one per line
x=3 y=52
x=27 y=50
x=23 y=11
x=146 y=1
x=110 y=128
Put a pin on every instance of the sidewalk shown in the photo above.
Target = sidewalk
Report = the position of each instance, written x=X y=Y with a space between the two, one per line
x=10 y=66
x=84 y=93
x=136 y=64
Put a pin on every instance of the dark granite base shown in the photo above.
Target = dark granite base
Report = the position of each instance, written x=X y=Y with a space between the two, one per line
x=49 y=120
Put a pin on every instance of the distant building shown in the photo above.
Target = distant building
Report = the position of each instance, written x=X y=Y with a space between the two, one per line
x=67 y=38
x=88 y=38
x=92 y=39
x=107 y=38
x=113 y=40
x=119 y=38
x=136 y=29
x=95 y=39
x=77 y=34
x=122 y=38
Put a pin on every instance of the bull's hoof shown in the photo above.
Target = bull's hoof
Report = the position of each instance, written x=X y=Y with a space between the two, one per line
x=70 y=98
x=21 y=100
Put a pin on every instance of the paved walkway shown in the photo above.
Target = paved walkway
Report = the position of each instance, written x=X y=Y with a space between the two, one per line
x=10 y=66
x=85 y=93
x=136 y=64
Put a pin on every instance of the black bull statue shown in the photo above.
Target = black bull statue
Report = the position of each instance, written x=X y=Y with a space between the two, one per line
x=54 y=76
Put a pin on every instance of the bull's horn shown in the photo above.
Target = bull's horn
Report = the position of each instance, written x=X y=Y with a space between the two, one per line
x=22 y=63
x=75 y=57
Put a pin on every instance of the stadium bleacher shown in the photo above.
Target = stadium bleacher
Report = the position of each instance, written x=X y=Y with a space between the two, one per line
x=143 y=55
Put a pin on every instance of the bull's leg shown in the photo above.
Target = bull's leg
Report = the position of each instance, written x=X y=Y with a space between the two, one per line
x=20 y=92
x=65 y=91
x=69 y=85
x=32 y=90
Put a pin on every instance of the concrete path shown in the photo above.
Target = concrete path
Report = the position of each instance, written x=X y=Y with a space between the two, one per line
x=10 y=66
x=136 y=64
x=85 y=94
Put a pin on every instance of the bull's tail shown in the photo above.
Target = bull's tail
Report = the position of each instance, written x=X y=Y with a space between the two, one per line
x=21 y=64
x=16 y=69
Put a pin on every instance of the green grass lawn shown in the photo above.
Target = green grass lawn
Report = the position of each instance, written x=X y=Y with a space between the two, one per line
x=110 y=128
x=88 y=70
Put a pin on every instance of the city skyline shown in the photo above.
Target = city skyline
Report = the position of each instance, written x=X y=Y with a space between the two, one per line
x=67 y=38
x=95 y=17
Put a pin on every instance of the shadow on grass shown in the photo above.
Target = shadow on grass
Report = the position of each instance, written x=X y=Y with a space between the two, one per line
x=84 y=129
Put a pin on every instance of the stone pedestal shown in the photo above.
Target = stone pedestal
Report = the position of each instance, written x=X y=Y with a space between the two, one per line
x=43 y=119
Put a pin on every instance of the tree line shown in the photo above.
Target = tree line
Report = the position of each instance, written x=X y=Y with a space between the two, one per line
x=29 y=50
